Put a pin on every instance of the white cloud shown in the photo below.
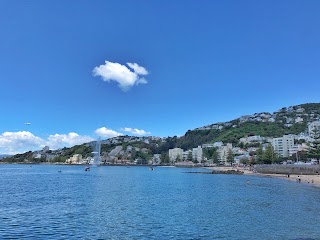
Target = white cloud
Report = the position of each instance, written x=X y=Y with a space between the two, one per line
x=23 y=141
x=105 y=132
x=67 y=140
x=135 y=131
x=138 y=69
x=19 y=142
x=121 y=74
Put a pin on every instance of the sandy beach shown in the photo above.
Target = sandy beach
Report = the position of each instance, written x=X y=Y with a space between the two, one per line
x=306 y=179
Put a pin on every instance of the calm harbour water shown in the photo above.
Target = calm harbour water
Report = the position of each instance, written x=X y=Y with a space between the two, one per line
x=38 y=202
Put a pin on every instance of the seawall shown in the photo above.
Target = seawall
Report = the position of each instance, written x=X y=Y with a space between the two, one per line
x=288 y=169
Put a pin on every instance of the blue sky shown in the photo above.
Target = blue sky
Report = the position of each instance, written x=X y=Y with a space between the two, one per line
x=202 y=62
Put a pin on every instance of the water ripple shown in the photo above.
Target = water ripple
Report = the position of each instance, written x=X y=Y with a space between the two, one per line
x=121 y=203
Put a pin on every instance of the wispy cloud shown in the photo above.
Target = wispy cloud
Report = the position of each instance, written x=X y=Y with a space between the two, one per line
x=125 y=77
x=106 y=132
x=135 y=131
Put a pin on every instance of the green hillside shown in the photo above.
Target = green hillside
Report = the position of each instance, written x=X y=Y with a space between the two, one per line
x=291 y=120
x=232 y=135
x=236 y=130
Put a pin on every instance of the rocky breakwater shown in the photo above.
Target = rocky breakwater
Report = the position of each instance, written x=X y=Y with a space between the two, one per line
x=237 y=172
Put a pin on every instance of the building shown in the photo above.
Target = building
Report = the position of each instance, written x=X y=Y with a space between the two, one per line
x=298 y=148
x=218 y=144
x=252 y=139
x=175 y=153
x=298 y=120
x=77 y=158
x=223 y=152
x=208 y=145
x=197 y=154
x=283 y=144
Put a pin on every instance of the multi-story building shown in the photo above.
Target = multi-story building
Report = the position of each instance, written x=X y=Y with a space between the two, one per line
x=298 y=148
x=223 y=152
x=282 y=145
x=175 y=153
x=185 y=155
x=197 y=153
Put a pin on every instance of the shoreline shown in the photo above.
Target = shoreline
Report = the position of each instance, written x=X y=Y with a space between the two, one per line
x=313 y=180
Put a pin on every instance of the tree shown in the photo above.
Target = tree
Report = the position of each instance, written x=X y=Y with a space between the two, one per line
x=215 y=157
x=164 y=157
x=190 y=158
x=302 y=156
x=259 y=154
x=244 y=160
x=230 y=157
x=202 y=159
x=207 y=152
x=270 y=156
x=314 y=151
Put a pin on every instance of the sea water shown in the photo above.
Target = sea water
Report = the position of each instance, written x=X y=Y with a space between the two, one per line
x=65 y=202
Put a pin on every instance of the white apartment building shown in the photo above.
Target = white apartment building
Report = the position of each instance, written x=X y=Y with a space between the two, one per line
x=185 y=155
x=174 y=153
x=223 y=152
x=77 y=158
x=197 y=153
x=282 y=145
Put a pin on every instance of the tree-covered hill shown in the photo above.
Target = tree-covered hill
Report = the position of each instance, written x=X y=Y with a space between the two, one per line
x=233 y=134
x=291 y=120
x=287 y=120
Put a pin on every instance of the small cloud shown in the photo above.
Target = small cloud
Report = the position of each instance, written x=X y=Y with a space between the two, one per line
x=122 y=74
x=67 y=140
x=106 y=132
x=135 y=131
x=27 y=123
x=138 y=69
